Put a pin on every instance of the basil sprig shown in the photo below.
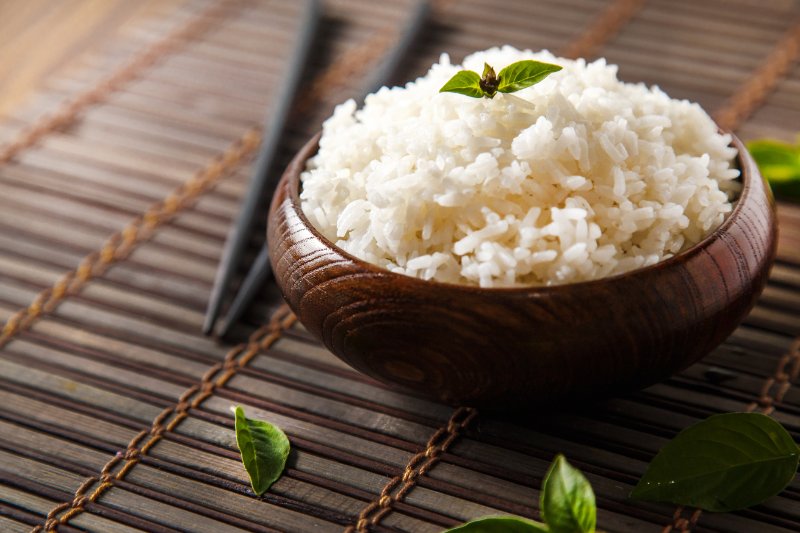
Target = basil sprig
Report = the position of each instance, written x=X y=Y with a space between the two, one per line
x=724 y=463
x=264 y=449
x=567 y=505
x=513 y=78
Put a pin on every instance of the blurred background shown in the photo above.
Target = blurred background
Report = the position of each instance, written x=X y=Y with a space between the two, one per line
x=698 y=50
x=41 y=38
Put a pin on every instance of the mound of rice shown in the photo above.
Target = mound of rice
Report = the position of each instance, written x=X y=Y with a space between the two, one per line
x=576 y=178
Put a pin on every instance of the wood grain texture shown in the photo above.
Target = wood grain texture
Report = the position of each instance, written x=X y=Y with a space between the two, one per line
x=513 y=348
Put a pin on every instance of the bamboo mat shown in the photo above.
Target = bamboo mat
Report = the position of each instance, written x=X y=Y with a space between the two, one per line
x=38 y=38
x=118 y=185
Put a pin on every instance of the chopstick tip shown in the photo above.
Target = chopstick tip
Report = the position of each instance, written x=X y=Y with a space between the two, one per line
x=208 y=324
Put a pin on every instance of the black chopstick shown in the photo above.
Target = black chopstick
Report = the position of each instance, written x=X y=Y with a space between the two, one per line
x=380 y=76
x=261 y=181
x=385 y=72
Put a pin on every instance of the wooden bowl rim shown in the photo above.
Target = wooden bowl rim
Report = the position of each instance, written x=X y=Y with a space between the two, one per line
x=743 y=158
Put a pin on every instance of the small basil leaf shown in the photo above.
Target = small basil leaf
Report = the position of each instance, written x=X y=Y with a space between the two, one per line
x=500 y=524
x=464 y=82
x=264 y=449
x=724 y=463
x=522 y=74
x=780 y=164
x=567 y=500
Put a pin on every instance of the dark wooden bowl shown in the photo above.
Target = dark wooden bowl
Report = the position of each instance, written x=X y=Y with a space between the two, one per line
x=519 y=347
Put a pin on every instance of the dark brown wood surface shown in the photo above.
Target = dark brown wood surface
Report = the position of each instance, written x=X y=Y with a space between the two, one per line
x=114 y=410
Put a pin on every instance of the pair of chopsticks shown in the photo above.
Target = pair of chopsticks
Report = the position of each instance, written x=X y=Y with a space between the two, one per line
x=263 y=182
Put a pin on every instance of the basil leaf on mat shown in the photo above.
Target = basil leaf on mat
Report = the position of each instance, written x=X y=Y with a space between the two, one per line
x=724 y=463
x=780 y=164
x=567 y=500
x=567 y=506
x=264 y=449
x=523 y=74
x=500 y=524
x=464 y=82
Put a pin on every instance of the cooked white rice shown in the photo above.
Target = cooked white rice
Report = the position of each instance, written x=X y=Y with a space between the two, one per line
x=576 y=178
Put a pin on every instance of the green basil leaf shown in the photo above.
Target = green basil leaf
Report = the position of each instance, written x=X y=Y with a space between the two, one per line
x=724 y=463
x=500 y=524
x=567 y=499
x=770 y=152
x=522 y=74
x=464 y=82
x=779 y=164
x=264 y=449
